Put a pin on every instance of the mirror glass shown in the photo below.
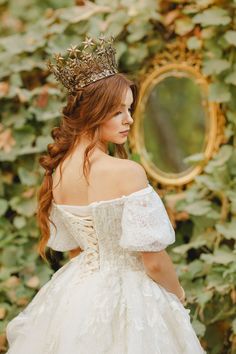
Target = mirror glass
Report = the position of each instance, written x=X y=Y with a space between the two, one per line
x=174 y=122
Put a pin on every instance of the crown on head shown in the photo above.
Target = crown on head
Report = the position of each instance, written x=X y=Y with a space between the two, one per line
x=82 y=66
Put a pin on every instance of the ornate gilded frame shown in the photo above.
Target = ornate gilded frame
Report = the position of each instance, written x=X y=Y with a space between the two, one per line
x=175 y=59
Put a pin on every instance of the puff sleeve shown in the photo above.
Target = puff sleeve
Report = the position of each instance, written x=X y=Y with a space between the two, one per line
x=61 y=238
x=145 y=223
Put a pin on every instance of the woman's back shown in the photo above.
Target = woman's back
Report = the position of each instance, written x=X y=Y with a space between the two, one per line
x=109 y=177
x=103 y=177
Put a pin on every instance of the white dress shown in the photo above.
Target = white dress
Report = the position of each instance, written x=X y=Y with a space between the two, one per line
x=102 y=301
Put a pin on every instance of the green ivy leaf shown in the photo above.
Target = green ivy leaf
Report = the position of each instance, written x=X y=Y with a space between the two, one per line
x=42 y=142
x=215 y=66
x=135 y=55
x=28 y=64
x=227 y=230
x=230 y=37
x=19 y=222
x=214 y=278
x=75 y=14
x=200 y=207
x=44 y=274
x=194 y=43
x=220 y=158
x=3 y=206
x=24 y=135
x=8 y=156
x=25 y=207
x=204 y=298
x=11 y=255
x=137 y=32
x=231 y=78
x=28 y=178
x=210 y=182
x=116 y=22
x=213 y=17
x=183 y=26
x=199 y=327
x=196 y=268
x=17 y=44
x=194 y=244
x=194 y=158
x=219 y=92
x=220 y=256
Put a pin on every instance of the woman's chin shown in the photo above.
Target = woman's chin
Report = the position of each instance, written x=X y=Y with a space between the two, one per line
x=123 y=140
x=119 y=141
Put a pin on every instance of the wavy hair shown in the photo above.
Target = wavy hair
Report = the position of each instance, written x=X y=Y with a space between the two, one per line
x=85 y=111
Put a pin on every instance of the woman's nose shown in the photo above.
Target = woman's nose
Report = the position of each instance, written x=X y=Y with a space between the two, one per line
x=129 y=119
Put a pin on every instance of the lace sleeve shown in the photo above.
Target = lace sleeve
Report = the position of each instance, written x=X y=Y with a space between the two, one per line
x=61 y=238
x=145 y=224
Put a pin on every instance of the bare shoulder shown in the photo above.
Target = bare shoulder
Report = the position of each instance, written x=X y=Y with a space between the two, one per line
x=130 y=176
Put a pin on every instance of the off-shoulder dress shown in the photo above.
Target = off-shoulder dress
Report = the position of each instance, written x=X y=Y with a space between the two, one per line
x=102 y=301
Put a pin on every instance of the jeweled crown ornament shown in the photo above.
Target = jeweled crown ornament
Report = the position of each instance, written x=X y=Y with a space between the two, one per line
x=82 y=66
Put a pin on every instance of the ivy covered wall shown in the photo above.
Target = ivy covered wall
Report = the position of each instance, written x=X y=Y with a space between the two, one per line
x=30 y=105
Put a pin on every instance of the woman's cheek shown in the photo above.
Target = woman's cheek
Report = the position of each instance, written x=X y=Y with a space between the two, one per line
x=114 y=123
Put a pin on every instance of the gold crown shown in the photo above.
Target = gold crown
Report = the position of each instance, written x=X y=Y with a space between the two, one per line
x=81 y=67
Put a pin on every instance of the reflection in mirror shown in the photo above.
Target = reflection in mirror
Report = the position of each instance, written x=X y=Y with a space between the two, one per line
x=174 y=123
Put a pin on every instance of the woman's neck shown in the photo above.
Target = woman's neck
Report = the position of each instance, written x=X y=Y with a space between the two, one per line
x=84 y=141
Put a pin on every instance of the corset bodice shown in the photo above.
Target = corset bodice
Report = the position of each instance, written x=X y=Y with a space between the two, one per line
x=112 y=233
x=98 y=238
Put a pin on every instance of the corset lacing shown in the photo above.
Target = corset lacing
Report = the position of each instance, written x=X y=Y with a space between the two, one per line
x=91 y=251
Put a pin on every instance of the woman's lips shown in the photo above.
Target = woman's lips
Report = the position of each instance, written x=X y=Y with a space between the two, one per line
x=126 y=132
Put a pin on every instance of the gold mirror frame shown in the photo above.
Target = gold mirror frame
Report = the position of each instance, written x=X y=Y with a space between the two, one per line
x=176 y=59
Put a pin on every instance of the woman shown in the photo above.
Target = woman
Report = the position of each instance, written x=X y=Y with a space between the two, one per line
x=120 y=293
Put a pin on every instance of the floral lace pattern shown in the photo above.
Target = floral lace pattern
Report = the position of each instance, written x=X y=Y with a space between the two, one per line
x=145 y=224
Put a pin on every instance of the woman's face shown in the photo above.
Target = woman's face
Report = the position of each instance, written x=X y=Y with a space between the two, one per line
x=111 y=130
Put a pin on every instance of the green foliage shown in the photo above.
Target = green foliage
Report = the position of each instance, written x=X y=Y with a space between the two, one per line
x=210 y=252
x=30 y=106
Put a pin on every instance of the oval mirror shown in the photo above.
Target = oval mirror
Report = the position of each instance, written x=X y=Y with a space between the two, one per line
x=175 y=125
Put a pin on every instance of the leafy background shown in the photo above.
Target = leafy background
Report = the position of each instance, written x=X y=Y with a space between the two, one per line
x=31 y=102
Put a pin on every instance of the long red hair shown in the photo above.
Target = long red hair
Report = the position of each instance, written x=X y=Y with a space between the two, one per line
x=85 y=111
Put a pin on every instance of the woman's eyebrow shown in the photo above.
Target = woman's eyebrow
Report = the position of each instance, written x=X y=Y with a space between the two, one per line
x=123 y=104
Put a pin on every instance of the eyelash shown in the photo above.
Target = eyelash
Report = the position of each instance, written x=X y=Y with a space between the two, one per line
x=130 y=110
